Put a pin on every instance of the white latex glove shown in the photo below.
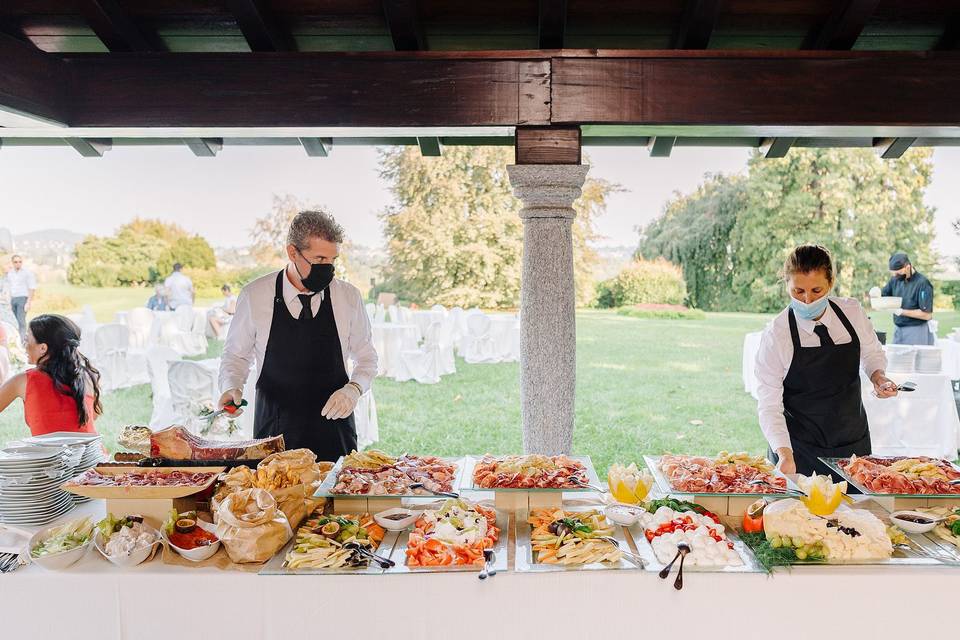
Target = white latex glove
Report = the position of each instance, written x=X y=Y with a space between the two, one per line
x=341 y=403
x=230 y=395
x=875 y=292
x=898 y=312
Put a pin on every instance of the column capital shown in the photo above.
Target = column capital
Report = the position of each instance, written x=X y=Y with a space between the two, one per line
x=547 y=190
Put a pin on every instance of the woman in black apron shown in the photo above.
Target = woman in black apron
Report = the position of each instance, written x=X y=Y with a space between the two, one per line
x=302 y=367
x=822 y=405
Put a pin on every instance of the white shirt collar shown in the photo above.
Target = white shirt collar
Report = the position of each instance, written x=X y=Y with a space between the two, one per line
x=828 y=318
x=290 y=292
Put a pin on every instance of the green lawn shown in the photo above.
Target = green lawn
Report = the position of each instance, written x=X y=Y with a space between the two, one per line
x=643 y=386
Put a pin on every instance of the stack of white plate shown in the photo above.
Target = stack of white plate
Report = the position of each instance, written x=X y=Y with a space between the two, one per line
x=901 y=359
x=929 y=360
x=30 y=479
x=92 y=455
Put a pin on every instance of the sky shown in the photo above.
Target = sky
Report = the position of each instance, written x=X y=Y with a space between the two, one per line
x=220 y=198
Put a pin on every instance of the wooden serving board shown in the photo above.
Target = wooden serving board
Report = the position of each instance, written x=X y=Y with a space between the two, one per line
x=143 y=493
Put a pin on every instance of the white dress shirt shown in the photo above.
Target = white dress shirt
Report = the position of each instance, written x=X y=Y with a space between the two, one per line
x=250 y=329
x=21 y=283
x=179 y=290
x=776 y=353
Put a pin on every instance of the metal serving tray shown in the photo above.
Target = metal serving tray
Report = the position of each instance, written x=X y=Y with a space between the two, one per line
x=652 y=563
x=525 y=562
x=653 y=464
x=834 y=463
x=500 y=550
x=325 y=488
x=276 y=566
x=471 y=462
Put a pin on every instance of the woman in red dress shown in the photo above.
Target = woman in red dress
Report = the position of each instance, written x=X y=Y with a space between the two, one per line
x=62 y=393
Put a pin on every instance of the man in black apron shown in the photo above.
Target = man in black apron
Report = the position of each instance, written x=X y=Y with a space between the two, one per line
x=298 y=323
x=821 y=400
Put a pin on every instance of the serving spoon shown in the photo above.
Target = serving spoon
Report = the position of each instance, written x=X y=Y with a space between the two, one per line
x=683 y=550
x=680 y=550
x=488 y=569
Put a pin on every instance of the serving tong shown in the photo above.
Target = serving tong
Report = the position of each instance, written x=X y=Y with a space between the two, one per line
x=237 y=410
x=633 y=557
x=682 y=550
x=583 y=484
x=385 y=563
x=488 y=571
x=778 y=490
x=442 y=494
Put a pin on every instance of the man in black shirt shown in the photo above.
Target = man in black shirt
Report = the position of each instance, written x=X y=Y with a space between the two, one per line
x=916 y=308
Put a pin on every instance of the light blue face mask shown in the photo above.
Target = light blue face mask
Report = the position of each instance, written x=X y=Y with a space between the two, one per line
x=810 y=311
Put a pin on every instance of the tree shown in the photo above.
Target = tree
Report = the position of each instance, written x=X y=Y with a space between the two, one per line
x=861 y=207
x=454 y=235
x=141 y=252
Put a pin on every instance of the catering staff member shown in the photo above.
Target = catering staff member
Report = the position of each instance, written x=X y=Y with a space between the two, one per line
x=300 y=326
x=808 y=369
x=911 y=320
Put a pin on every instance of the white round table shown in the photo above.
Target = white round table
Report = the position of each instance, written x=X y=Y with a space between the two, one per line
x=389 y=339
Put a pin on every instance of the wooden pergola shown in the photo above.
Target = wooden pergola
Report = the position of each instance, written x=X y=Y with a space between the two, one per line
x=547 y=77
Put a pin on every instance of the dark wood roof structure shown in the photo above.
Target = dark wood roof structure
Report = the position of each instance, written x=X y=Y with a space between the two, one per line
x=321 y=73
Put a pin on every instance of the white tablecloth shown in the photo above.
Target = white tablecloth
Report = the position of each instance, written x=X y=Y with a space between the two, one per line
x=94 y=599
x=505 y=333
x=950 y=350
x=423 y=318
x=389 y=339
x=923 y=422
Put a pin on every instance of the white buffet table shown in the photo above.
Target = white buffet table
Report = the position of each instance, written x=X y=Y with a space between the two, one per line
x=923 y=422
x=94 y=599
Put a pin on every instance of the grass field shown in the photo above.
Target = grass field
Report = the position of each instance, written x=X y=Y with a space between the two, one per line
x=643 y=386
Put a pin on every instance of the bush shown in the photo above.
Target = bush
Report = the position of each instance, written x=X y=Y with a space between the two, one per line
x=53 y=302
x=662 y=314
x=643 y=282
x=948 y=289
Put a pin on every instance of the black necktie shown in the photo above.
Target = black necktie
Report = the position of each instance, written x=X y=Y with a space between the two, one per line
x=306 y=313
x=821 y=330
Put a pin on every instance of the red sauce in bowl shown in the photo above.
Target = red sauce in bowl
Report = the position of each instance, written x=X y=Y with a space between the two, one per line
x=196 y=538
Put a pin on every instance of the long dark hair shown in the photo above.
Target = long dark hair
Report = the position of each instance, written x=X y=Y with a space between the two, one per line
x=71 y=370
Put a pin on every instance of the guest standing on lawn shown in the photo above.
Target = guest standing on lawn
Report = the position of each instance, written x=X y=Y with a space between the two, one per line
x=808 y=370
x=22 y=285
x=62 y=393
x=179 y=288
x=300 y=326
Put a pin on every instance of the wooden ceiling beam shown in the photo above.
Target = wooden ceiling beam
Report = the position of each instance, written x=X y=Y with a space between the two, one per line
x=548 y=145
x=115 y=28
x=777 y=147
x=260 y=26
x=552 y=24
x=662 y=146
x=32 y=85
x=204 y=147
x=842 y=27
x=891 y=148
x=317 y=147
x=403 y=20
x=696 y=25
x=430 y=147
x=90 y=147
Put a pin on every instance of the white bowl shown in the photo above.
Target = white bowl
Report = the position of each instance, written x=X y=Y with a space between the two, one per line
x=396 y=525
x=55 y=561
x=913 y=527
x=200 y=553
x=623 y=514
x=886 y=302
x=133 y=558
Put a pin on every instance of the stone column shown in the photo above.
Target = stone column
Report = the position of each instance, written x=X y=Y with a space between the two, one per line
x=547 y=303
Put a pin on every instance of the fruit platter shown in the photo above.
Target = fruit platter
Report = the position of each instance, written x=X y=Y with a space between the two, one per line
x=899 y=476
x=572 y=538
x=373 y=473
x=334 y=544
x=531 y=472
x=663 y=525
x=786 y=532
x=455 y=535
x=725 y=474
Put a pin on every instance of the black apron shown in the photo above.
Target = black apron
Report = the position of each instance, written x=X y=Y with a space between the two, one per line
x=302 y=367
x=822 y=403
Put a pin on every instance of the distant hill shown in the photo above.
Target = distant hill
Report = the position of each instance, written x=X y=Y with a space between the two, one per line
x=50 y=236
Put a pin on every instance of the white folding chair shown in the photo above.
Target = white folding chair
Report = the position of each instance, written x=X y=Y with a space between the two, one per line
x=380 y=314
x=371 y=310
x=111 y=342
x=394 y=314
x=179 y=333
x=423 y=364
x=445 y=338
x=139 y=322
x=192 y=388
x=158 y=364
x=478 y=345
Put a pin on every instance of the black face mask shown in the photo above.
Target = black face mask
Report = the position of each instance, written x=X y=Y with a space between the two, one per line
x=319 y=278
